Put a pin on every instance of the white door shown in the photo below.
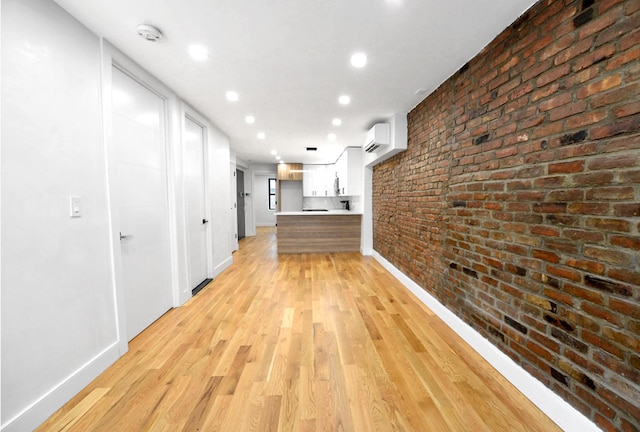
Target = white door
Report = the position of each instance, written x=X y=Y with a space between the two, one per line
x=195 y=202
x=141 y=193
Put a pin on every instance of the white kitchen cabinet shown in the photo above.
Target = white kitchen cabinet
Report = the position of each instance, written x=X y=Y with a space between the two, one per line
x=341 y=172
x=313 y=181
x=329 y=179
x=349 y=169
x=308 y=175
x=319 y=180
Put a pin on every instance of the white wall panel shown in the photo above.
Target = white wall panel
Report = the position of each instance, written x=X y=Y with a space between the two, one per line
x=57 y=290
x=221 y=201
x=59 y=327
x=264 y=216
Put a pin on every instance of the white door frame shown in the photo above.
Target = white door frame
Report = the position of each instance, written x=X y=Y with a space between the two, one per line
x=187 y=112
x=112 y=57
x=234 y=204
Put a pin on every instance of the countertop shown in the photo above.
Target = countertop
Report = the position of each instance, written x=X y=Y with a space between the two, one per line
x=319 y=213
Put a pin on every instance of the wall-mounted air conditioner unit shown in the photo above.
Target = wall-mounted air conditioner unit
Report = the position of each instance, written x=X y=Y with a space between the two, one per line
x=378 y=136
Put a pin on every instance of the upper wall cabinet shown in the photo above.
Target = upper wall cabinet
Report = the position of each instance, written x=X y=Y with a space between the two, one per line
x=290 y=171
x=349 y=171
x=329 y=179
x=313 y=181
x=319 y=180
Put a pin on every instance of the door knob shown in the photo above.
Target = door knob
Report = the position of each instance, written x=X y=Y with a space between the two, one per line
x=204 y=221
x=124 y=236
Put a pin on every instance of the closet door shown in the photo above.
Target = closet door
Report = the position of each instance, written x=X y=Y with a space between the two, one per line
x=140 y=183
x=197 y=219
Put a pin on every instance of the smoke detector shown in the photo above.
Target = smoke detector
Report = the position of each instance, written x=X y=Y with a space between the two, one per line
x=149 y=33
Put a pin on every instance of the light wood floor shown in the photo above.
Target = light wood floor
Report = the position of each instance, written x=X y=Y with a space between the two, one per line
x=328 y=342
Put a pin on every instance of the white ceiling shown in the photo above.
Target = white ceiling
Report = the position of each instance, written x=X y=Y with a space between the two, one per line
x=289 y=60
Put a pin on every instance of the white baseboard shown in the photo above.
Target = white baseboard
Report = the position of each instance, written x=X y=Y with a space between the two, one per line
x=43 y=408
x=556 y=408
x=366 y=251
x=221 y=267
x=47 y=404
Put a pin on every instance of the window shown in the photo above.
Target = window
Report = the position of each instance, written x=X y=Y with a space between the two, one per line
x=272 y=194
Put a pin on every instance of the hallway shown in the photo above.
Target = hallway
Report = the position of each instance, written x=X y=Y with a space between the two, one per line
x=299 y=343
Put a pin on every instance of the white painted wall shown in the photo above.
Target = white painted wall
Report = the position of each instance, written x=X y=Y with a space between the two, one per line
x=398 y=137
x=366 y=239
x=260 y=214
x=223 y=214
x=59 y=296
x=264 y=216
x=58 y=317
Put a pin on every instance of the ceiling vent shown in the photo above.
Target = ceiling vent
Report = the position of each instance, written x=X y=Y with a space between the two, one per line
x=378 y=136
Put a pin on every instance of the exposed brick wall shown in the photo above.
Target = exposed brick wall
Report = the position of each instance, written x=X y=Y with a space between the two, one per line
x=517 y=202
x=411 y=198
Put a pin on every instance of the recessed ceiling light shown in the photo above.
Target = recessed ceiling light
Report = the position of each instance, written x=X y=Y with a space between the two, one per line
x=232 y=96
x=198 y=52
x=282 y=162
x=332 y=136
x=358 y=60
x=344 y=100
x=250 y=119
x=274 y=152
x=336 y=122
x=261 y=135
x=278 y=158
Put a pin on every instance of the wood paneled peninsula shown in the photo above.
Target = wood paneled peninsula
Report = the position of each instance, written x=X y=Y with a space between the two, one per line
x=318 y=231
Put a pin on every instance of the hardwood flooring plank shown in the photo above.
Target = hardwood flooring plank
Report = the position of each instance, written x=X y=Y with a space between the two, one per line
x=197 y=416
x=72 y=416
x=324 y=414
x=299 y=342
x=230 y=380
x=290 y=402
x=254 y=408
x=339 y=397
x=270 y=414
x=307 y=395
x=219 y=414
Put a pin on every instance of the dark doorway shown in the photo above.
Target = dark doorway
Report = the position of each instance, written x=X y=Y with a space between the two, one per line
x=240 y=201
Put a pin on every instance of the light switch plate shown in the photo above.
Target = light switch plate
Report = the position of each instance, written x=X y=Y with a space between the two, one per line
x=74 y=206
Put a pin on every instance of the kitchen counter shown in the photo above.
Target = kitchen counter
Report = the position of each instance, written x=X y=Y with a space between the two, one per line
x=318 y=231
x=319 y=213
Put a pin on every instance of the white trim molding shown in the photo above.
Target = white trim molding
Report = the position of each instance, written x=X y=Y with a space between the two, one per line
x=556 y=408
x=43 y=408
x=221 y=267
